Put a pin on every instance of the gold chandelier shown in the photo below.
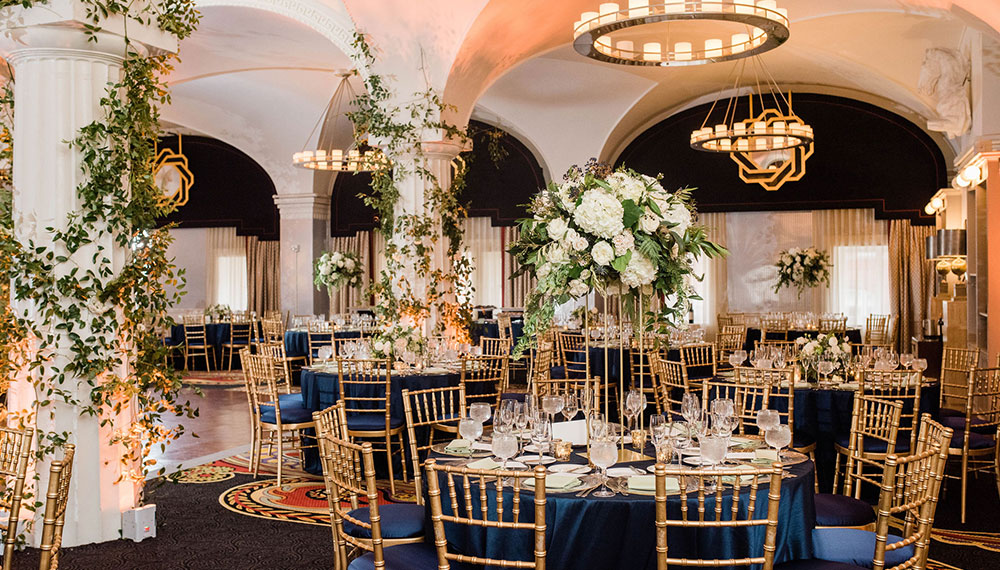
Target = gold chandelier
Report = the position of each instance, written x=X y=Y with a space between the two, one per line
x=770 y=146
x=648 y=32
x=329 y=156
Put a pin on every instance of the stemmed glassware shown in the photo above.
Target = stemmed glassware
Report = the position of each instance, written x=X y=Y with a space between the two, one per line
x=634 y=404
x=470 y=429
x=504 y=421
x=778 y=437
x=906 y=359
x=571 y=405
x=824 y=367
x=604 y=454
x=505 y=446
x=480 y=411
x=539 y=433
x=767 y=420
x=552 y=405
x=919 y=365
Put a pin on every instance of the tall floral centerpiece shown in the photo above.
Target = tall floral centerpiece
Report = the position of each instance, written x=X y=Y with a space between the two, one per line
x=336 y=269
x=614 y=232
x=802 y=269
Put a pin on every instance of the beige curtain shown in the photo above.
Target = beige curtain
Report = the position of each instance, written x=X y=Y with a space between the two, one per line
x=858 y=247
x=226 y=271
x=347 y=297
x=516 y=290
x=713 y=288
x=909 y=287
x=263 y=275
x=485 y=243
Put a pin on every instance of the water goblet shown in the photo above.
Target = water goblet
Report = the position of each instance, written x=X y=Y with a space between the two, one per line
x=778 y=437
x=741 y=354
x=825 y=367
x=713 y=450
x=767 y=419
x=504 y=447
x=470 y=429
x=920 y=364
x=735 y=360
x=906 y=359
x=604 y=454
x=480 y=411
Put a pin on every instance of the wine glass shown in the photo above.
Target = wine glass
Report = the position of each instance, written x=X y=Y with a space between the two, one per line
x=539 y=433
x=505 y=417
x=735 y=360
x=634 y=404
x=520 y=417
x=470 y=429
x=690 y=410
x=504 y=447
x=767 y=420
x=604 y=454
x=906 y=359
x=778 y=437
x=825 y=367
x=571 y=405
x=480 y=411
x=920 y=364
x=741 y=354
x=552 y=405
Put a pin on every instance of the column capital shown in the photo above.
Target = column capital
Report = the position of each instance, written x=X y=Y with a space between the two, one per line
x=444 y=149
x=303 y=206
x=61 y=25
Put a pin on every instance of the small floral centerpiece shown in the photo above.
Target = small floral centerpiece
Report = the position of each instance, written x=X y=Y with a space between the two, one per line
x=391 y=341
x=802 y=269
x=828 y=347
x=337 y=269
x=615 y=232
x=218 y=312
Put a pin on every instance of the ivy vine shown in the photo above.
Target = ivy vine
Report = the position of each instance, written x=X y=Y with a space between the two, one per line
x=71 y=315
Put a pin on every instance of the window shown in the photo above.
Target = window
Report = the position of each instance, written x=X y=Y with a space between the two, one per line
x=859 y=285
x=227 y=268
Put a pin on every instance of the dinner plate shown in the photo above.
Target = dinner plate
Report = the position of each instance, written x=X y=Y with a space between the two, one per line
x=440 y=448
x=695 y=460
x=570 y=468
x=533 y=459
x=621 y=471
x=530 y=483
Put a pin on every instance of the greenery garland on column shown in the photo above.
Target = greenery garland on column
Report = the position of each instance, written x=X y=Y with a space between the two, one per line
x=106 y=322
x=413 y=236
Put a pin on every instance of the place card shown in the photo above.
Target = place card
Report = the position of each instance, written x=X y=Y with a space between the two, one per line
x=741 y=455
x=766 y=453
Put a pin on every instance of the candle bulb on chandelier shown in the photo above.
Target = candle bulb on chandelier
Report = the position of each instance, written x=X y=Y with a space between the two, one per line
x=743 y=6
x=740 y=41
x=713 y=47
x=682 y=51
x=609 y=12
x=651 y=51
x=589 y=20
x=637 y=8
x=626 y=49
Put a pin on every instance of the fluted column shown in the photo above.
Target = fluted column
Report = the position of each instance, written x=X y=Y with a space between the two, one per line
x=61 y=74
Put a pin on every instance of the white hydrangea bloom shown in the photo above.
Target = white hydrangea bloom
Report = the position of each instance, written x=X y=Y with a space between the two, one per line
x=600 y=213
x=679 y=216
x=640 y=271
x=626 y=187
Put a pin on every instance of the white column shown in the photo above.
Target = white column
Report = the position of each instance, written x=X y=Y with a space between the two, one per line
x=60 y=79
x=305 y=229
x=414 y=198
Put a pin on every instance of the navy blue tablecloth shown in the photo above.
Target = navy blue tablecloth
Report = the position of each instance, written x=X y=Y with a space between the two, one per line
x=618 y=532
x=297 y=342
x=321 y=390
x=215 y=335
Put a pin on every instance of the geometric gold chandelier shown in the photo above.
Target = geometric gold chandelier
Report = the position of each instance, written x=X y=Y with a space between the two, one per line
x=670 y=33
x=330 y=156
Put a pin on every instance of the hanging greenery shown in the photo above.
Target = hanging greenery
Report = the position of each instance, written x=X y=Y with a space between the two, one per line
x=412 y=237
x=73 y=315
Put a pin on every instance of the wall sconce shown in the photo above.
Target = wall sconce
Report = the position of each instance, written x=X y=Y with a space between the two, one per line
x=935 y=205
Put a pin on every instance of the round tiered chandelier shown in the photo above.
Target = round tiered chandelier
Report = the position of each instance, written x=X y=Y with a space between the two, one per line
x=675 y=32
x=329 y=156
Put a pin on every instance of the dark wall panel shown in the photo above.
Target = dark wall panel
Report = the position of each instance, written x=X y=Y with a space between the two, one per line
x=230 y=189
x=865 y=157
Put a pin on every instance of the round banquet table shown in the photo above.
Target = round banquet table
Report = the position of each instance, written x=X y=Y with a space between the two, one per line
x=619 y=532
x=297 y=341
x=321 y=390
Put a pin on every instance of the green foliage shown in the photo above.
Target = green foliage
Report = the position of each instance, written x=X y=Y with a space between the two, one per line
x=88 y=317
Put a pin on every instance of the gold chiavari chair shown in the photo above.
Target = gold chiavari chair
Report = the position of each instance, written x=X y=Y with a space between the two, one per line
x=15 y=447
x=956 y=363
x=196 y=341
x=723 y=320
x=875 y=422
x=563 y=386
x=727 y=344
x=240 y=333
x=319 y=334
x=485 y=508
x=505 y=328
x=747 y=399
x=272 y=414
x=773 y=328
x=978 y=451
x=672 y=382
x=897 y=386
x=835 y=325
x=877 y=330
x=56 y=499
x=735 y=328
x=365 y=389
x=282 y=365
x=740 y=489
x=788 y=346
x=430 y=411
x=642 y=371
x=934 y=435
x=272 y=331
x=573 y=355
x=699 y=361
x=495 y=346
x=541 y=364
x=484 y=378
x=331 y=422
x=909 y=489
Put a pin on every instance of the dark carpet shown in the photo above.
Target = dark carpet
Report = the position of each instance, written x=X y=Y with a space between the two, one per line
x=195 y=532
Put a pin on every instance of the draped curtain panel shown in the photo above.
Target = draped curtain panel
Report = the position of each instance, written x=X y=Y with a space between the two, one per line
x=263 y=275
x=714 y=283
x=484 y=243
x=909 y=284
x=226 y=273
x=345 y=298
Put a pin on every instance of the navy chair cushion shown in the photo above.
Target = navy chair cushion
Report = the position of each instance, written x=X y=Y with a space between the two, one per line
x=815 y=565
x=957 y=423
x=371 y=422
x=557 y=372
x=838 y=510
x=976 y=440
x=416 y=556
x=854 y=546
x=399 y=520
x=293 y=410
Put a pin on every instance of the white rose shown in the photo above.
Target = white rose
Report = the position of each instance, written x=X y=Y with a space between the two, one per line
x=580 y=243
x=832 y=341
x=578 y=288
x=600 y=213
x=557 y=254
x=679 y=217
x=623 y=242
x=544 y=270
x=570 y=236
x=602 y=253
x=557 y=228
x=349 y=264
x=381 y=346
x=800 y=341
x=649 y=222
x=585 y=274
x=640 y=271
x=340 y=263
